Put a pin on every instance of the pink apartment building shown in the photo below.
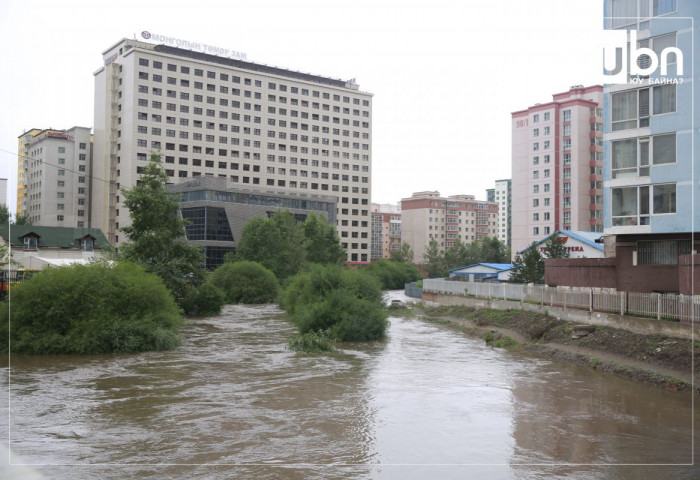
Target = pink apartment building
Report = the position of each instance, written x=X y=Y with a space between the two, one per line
x=557 y=162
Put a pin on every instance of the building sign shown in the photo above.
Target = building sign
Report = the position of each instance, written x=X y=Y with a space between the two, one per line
x=195 y=46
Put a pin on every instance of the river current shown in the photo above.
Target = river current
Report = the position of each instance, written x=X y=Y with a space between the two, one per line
x=233 y=402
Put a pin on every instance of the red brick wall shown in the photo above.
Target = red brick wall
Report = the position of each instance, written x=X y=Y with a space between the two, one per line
x=644 y=278
x=688 y=266
x=580 y=272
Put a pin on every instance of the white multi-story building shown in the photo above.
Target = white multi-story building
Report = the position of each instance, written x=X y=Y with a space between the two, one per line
x=557 y=166
x=56 y=178
x=501 y=194
x=261 y=128
x=427 y=215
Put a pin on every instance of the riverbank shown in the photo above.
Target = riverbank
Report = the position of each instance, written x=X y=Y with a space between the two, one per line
x=656 y=360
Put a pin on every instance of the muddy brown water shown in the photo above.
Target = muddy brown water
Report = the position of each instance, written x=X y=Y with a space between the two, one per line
x=233 y=402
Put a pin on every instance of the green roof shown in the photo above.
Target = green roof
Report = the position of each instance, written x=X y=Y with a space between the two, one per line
x=56 y=237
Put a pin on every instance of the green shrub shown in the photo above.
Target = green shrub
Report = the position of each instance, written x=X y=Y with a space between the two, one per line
x=394 y=275
x=310 y=342
x=207 y=299
x=246 y=282
x=345 y=303
x=91 y=309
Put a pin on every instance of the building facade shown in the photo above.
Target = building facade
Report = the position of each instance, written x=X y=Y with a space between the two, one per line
x=502 y=195
x=23 y=142
x=427 y=215
x=651 y=122
x=261 y=128
x=557 y=162
x=386 y=230
x=56 y=177
x=217 y=211
x=650 y=135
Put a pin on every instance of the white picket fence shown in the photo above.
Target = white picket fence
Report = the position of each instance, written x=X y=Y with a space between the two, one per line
x=684 y=308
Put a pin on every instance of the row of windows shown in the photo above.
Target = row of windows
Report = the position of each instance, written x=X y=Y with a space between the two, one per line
x=224 y=127
x=224 y=77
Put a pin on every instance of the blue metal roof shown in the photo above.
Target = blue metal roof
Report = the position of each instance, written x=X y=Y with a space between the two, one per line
x=496 y=266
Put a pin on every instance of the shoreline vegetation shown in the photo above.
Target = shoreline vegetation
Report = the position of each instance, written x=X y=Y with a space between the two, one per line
x=655 y=360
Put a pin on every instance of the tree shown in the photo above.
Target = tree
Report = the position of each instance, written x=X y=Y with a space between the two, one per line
x=528 y=268
x=458 y=255
x=5 y=216
x=22 y=219
x=277 y=243
x=156 y=236
x=494 y=251
x=433 y=260
x=282 y=244
x=322 y=243
x=403 y=254
x=554 y=248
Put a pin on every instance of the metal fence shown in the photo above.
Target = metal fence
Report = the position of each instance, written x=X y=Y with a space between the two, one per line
x=413 y=290
x=684 y=308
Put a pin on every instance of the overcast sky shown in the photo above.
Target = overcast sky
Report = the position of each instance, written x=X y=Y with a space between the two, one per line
x=445 y=74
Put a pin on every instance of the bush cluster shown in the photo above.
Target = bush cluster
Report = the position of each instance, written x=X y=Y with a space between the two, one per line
x=91 y=309
x=344 y=304
x=207 y=299
x=394 y=275
x=245 y=282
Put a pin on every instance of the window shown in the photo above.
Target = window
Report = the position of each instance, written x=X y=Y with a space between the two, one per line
x=536 y=118
x=546 y=116
x=30 y=243
x=567 y=130
x=664 y=97
x=536 y=132
x=632 y=157
x=566 y=116
x=661 y=252
x=634 y=205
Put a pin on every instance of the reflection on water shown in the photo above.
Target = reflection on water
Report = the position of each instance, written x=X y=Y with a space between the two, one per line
x=232 y=402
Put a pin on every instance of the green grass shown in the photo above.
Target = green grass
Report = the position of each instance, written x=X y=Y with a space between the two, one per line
x=310 y=342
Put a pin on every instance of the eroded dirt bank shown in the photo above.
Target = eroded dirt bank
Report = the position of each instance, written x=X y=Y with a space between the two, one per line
x=653 y=359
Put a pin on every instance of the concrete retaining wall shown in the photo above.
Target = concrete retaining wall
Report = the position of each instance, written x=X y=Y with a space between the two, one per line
x=637 y=325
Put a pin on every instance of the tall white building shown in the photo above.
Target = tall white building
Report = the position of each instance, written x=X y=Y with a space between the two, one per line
x=56 y=178
x=261 y=128
x=501 y=194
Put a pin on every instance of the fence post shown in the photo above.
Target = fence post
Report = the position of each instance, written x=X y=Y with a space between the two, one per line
x=622 y=303
x=504 y=291
x=658 y=306
x=590 y=299
x=564 y=299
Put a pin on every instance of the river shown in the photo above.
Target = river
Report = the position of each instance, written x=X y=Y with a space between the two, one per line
x=233 y=402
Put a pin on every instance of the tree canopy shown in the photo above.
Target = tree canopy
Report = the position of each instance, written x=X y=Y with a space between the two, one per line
x=156 y=236
x=489 y=250
x=529 y=268
x=285 y=246
x=403 y=254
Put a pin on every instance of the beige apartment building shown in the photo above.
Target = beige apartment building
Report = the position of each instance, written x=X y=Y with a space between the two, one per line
x=55 y=177
x=261 y=128
x=557 y=163
x=427 y=215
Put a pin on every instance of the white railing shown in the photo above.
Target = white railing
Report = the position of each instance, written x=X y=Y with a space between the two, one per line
x=684 y=308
